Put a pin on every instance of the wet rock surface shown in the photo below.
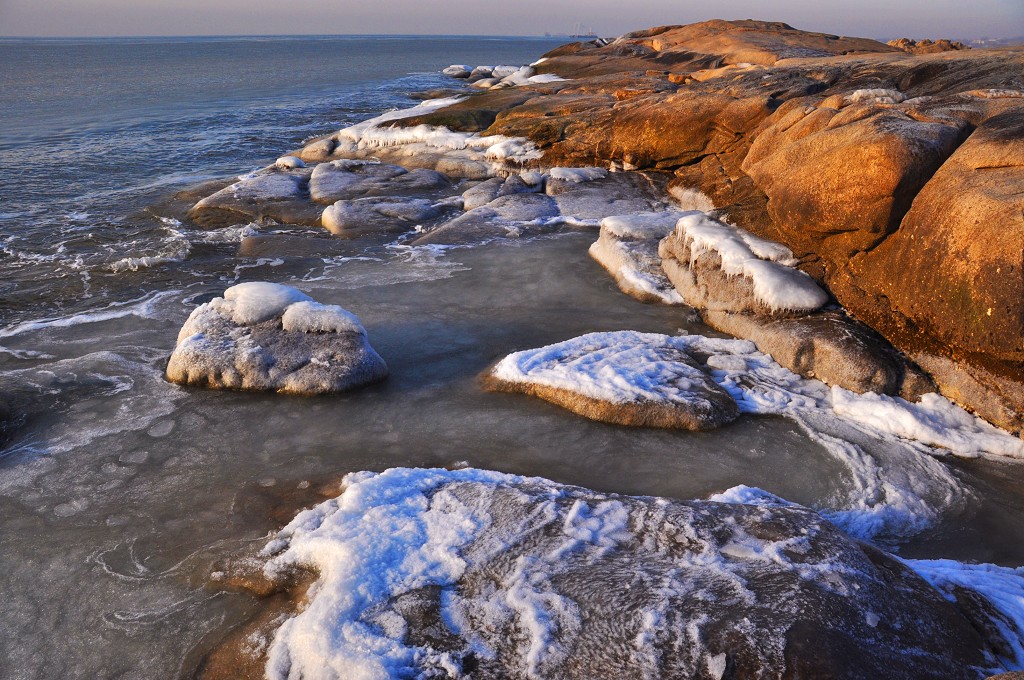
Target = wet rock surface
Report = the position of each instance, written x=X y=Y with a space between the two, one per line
x=268 y=337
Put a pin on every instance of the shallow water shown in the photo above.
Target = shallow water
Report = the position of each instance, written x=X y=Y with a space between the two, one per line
x=120 y=491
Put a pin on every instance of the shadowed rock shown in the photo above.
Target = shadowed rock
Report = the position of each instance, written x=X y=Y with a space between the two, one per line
x=274 y=193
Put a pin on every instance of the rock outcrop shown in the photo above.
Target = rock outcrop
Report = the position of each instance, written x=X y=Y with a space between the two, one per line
x=887 y=174
x=438 y=573
x=268 y=337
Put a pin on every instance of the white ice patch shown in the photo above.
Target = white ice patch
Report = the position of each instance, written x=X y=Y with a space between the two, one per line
x=313 y=317
x=691 y=199
x=546 y=78
x=768 y=265
x=384 y=535
x=641 y=226
x=256 y=301
x=934 y=421
x=289 y=163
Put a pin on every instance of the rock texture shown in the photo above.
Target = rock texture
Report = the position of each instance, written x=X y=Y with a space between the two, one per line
x=895 y=178
x=268 y=337
x=471 y=573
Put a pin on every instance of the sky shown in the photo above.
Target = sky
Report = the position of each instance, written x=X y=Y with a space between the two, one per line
x=867 y=18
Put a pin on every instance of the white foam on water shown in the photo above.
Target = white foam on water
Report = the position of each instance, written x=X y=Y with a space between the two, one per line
x=146 y=307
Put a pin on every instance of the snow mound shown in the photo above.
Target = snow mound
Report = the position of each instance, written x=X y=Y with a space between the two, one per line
x=249 y=303
x=289 y=163
x=577 y=175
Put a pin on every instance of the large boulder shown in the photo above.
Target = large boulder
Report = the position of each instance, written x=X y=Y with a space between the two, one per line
x=471 y=573
x=268 y=337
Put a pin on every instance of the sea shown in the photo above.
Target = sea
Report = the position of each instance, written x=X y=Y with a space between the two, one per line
x=121 y=494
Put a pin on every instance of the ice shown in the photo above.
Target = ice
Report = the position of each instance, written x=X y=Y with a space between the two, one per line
x=769 y=266
x=897 y=487
x=934 y=421
x=620 y=368
x=577 y=175
x=691 y=199
x=146 y=307
x=1002 y=587
x=313 y=317
x=289 y=163
x=628 y=248
x=255 y=301
x=546 y=78
x=514 y=568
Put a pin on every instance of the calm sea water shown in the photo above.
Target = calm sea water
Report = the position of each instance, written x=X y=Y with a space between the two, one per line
x=119 y=492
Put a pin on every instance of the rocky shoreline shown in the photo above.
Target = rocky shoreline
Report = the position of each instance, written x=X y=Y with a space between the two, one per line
x=853 y=209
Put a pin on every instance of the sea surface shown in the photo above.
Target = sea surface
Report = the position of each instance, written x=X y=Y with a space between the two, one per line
x=119 y=492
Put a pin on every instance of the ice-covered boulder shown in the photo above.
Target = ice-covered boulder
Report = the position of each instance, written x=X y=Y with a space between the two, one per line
x=348 y=179
x=268 y=337
x=277 y=193
x=367 y=215
x=472 y=573
x=628 y=249
x=510 y=215
x=715 y=265
x=627 y=378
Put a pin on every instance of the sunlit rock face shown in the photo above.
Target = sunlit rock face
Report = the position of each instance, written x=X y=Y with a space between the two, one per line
x=268 y=337
x=879 y=169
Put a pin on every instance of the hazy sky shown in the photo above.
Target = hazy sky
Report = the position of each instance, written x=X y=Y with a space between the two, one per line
x=869 y=18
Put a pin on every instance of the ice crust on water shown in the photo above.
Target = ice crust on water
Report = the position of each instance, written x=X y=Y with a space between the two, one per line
x=502 y=551
x=768 y=265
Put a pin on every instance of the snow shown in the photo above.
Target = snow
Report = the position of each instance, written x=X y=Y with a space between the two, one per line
x=619 y=368
x=769 y=266
x=255 y=301
x=577 y=175
x=497 y=150
x=289 y=163
x=313 y=317
x=935 y=421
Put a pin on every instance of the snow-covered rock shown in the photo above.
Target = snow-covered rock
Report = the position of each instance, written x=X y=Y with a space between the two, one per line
x=276 y=193
x=626 y=378
x=441 y=573
x=268 y=337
